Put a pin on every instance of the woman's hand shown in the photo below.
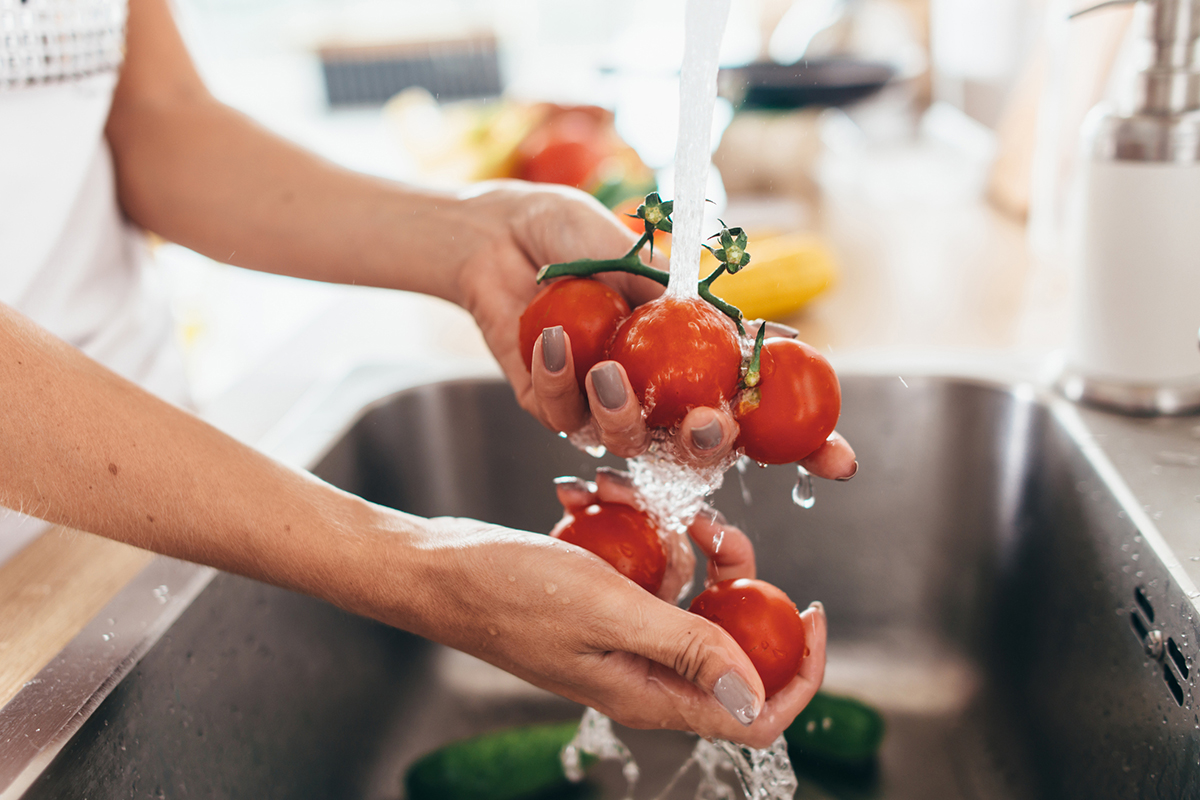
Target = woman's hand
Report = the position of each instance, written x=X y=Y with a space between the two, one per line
x=563 y=619
x=521 y=227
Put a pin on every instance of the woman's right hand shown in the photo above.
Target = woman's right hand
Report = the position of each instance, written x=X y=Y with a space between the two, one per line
x=563 y=619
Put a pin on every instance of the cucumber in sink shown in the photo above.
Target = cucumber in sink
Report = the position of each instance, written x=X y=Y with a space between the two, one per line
x=507 y=764
x=837 y=731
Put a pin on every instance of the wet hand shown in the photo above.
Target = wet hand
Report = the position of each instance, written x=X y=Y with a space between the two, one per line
x=563 y=619
x=522 y=228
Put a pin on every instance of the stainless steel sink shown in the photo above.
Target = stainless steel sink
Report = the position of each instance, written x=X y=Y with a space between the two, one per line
x=993 y=584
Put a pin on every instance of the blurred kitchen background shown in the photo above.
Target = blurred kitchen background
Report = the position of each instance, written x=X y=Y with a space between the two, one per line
x=904 y=181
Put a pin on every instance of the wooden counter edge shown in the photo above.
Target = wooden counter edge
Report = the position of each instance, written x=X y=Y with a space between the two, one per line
x=49 y=591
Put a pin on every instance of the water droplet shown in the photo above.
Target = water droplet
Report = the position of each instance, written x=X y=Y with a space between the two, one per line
x=551 y=588
x=743 y=464
x=512 y=578
x=106 y=637
x=802 y=493
x=826 y=723
x=902 y=381
x=493 y=630
x=162 y=594
x=1194 y=558
x=595 y=451
x=720 y=537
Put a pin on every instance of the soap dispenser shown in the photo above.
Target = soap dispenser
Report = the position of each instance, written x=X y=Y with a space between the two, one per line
x=1134 y=342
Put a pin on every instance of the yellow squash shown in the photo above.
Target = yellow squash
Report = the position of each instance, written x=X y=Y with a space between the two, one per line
x=784 y=273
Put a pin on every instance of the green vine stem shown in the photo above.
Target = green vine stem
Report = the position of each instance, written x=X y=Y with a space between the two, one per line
x=656 y=215
x=753 y=371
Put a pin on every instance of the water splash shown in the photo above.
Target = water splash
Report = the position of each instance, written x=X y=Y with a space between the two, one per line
x=673 y=493
x=703 y=26
x=595 y=737
x=802 y=492
x=709 y=758
x=764 y=774
x=743 y=464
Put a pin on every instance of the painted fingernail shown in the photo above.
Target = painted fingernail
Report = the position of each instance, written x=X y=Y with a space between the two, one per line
x=706 y=437
x=782 y=331
x=733 y=693
x=554 y=349
x=853 y=472
x=609 y=387
x=615 y=476
x=571 y=482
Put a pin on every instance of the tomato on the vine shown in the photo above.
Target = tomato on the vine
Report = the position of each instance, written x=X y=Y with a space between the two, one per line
x=793 y=408
x=763 y=621
x=589 y=312
x=621 y=535
x=679 y=355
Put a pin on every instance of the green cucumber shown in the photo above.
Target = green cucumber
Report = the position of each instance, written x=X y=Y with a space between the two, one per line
x=835 y=730
x=502 y=765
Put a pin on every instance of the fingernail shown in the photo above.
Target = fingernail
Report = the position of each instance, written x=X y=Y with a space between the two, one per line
x=853 y=472
x=780 y=330
x=554 y=349
x=733 y=693
x=609 y=387
x=818 y=605
x=706 y=437
x=615 y=475
x=570 y=481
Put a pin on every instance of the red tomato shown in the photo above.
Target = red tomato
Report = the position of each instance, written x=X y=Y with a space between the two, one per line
x=589 y=311
x=567 y=149
x=679 y=355
x=623 y=536
x=761 y=619
x=799 y=401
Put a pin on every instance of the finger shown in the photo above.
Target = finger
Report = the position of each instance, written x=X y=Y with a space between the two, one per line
x=729 y=551
x=834 y=459
x=615 y=486
x=681 y=566
x=554 y=382
x=706 y=436
x=575 y=493
x=616 y=410
x=700 y=655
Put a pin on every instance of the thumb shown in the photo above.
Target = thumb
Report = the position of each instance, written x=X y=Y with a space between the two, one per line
x=702 y=654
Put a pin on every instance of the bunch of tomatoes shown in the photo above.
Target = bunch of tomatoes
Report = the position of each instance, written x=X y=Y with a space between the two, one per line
x=680 y=354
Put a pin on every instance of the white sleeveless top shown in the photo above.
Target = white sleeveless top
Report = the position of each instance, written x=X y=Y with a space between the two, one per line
x=68 y=259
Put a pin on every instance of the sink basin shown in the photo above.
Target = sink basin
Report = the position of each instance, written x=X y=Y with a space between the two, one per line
x=993 y=585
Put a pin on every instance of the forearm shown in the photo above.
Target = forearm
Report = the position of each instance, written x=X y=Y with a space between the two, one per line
x=201 y=174
x=82 y=447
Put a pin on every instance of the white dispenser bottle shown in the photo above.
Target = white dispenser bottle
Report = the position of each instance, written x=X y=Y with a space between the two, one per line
x=1135 y=329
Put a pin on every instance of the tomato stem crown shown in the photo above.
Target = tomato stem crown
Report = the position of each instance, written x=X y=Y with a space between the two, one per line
x=656 y=214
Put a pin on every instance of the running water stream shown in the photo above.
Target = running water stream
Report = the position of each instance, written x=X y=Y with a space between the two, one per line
x=674 y=494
